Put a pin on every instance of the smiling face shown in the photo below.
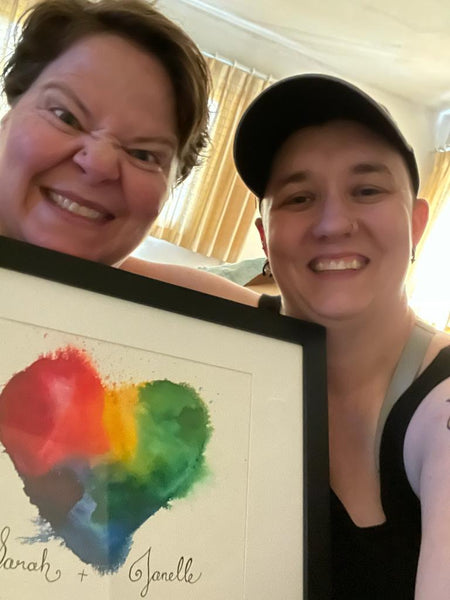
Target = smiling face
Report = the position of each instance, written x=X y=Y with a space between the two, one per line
x=339 y=220
x=88 y=153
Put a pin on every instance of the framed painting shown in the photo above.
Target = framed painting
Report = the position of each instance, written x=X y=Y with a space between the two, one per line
x=156 y=442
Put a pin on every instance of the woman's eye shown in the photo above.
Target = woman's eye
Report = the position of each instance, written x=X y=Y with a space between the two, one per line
x=368 y=192
x=66 y=117
x=144 y=155
x=293 y=201
x=147 y=159
x=301 y=200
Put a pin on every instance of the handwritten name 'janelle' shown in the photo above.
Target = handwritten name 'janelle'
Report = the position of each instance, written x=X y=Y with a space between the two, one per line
x=7 y=563
x=141 y=570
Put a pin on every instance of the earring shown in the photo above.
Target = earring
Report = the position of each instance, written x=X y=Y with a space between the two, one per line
x=413 y=255
x=266 y=269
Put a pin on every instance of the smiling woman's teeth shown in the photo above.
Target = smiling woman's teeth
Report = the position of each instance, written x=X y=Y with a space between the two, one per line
x=74 y=207
x=337 y=265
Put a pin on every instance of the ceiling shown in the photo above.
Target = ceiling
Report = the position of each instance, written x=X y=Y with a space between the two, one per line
x=399 y=46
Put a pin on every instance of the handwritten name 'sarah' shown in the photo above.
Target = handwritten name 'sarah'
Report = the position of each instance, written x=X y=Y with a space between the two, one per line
x=43 y=567
x=141 y=570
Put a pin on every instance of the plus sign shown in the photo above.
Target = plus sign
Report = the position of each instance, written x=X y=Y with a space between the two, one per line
x=82 y=575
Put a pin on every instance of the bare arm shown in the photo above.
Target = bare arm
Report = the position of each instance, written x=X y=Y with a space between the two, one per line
x=193 y=279
x=427 y=462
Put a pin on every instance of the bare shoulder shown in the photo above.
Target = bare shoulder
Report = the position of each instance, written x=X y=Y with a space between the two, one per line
x=428 y=435
x=193 y=279
x=426 y=455
x=430 y=424
x=439 y=341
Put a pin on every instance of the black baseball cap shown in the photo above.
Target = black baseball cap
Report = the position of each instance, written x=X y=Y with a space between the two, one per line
x=302 y=101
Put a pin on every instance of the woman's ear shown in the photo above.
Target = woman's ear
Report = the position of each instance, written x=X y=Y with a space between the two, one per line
x=419 y=219
x=262 y=234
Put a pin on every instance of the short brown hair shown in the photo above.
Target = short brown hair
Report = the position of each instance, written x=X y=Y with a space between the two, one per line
x=51 y=26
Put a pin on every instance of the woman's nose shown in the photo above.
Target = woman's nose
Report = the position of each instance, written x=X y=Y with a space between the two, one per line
x=98 y=159
x=335 y=218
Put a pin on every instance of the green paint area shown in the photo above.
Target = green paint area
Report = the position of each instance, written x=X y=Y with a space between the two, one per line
x=173 y=428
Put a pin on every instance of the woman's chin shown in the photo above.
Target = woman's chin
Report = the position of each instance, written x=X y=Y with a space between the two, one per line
x=327 y=312
x=86 y=251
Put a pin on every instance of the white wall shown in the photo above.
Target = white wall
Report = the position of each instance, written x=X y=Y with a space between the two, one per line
x=218 y=36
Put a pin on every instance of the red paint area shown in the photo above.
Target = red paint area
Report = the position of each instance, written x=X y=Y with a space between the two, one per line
x=53 y=410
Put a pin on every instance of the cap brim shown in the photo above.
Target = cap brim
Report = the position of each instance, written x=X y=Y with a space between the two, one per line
x=302 y=101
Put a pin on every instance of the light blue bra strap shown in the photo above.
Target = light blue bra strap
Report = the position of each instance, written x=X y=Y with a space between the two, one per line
x=406 y=371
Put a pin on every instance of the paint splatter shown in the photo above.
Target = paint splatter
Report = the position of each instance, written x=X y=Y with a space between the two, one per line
x=98 y=460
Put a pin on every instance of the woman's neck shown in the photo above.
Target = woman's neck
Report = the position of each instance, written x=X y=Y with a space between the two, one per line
x=363 y=351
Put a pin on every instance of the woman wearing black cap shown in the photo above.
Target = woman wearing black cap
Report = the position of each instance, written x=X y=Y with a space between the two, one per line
x=340 y=218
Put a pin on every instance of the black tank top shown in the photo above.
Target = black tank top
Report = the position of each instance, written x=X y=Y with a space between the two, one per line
x=380 y=562
x=270 y=302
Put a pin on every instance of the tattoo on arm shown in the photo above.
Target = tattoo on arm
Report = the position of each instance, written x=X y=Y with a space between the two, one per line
x=448 y=420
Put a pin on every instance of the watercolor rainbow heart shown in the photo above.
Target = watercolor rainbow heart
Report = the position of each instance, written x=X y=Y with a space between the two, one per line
x=99 y=460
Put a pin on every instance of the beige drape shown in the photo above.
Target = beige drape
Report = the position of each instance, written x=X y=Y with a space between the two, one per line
x=437 y=192
x=214 y=211
x=437 y=188
x=427 y=284
x=10 y=11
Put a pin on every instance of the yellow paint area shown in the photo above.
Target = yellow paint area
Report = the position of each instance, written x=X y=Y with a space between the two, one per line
x=119 y=421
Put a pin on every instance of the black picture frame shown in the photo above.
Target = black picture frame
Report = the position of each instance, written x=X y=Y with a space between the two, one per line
x=34 y=266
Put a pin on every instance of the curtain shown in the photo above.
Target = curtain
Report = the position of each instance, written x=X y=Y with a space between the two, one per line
x=437 y=189
x=10 y=11
x=428 y=281
x=212 y=212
